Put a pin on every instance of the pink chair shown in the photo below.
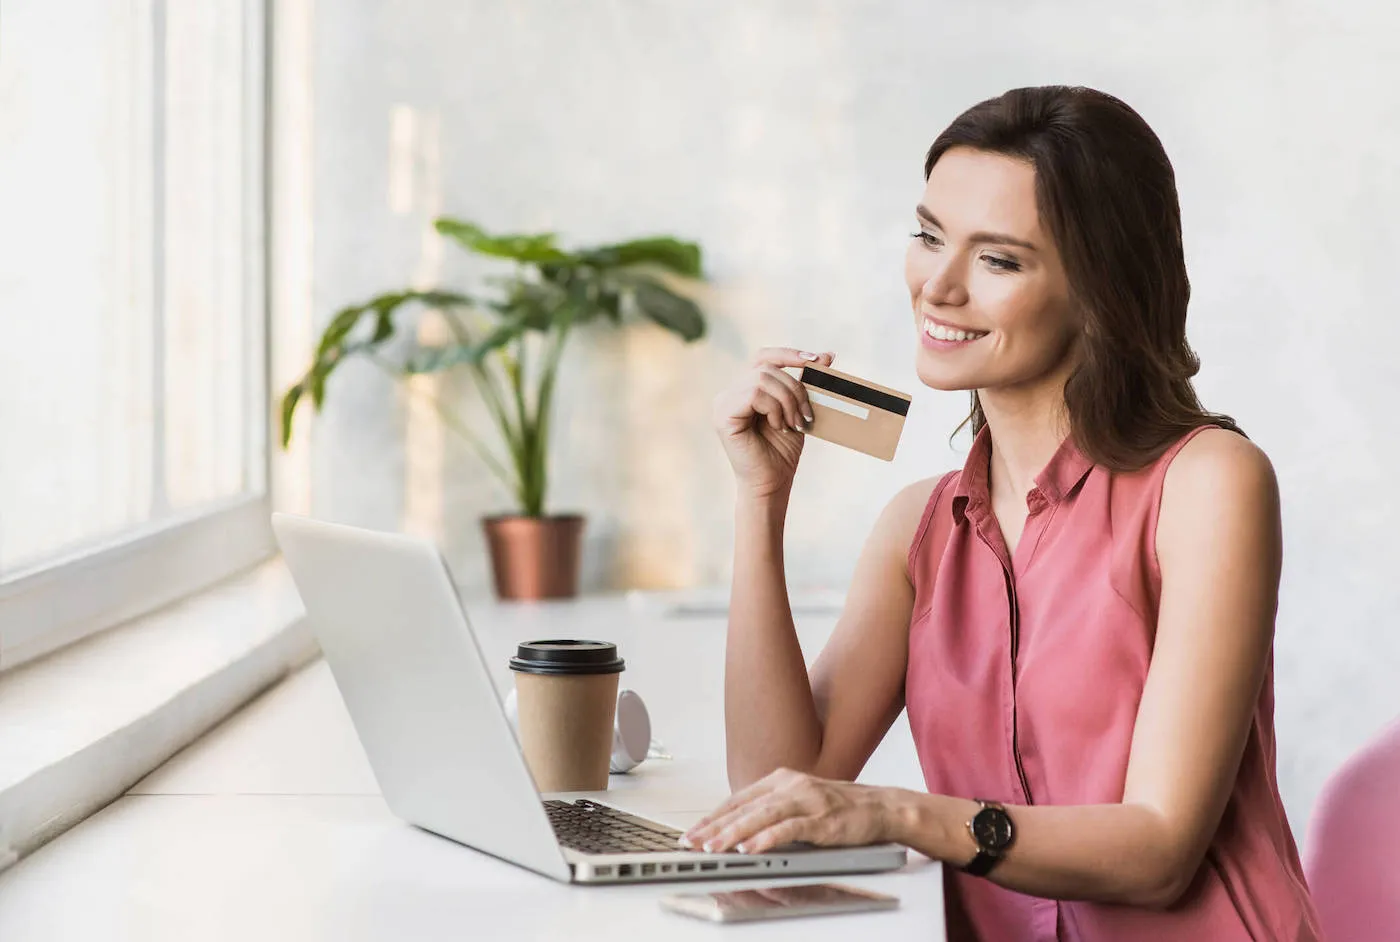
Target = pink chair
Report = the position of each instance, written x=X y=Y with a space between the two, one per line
x=1352 y=851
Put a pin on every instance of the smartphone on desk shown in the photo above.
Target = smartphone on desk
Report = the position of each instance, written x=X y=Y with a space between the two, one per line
x=778 y=902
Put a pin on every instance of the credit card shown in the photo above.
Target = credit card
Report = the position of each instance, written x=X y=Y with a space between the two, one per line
x=855 y=412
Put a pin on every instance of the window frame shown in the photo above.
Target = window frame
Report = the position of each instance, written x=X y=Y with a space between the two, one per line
x=104 y=583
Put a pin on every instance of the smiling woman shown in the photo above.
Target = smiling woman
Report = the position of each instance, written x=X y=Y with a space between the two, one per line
x=1105 y=527
x=1108 y=276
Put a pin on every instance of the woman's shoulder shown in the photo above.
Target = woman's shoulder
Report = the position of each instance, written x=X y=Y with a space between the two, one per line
x=1220 y=487
x=904 y=514
x=912 y=501
x=1215 y=460
x=1205 y=457
x=907 y=516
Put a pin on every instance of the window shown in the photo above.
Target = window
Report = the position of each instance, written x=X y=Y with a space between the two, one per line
x=133 y=403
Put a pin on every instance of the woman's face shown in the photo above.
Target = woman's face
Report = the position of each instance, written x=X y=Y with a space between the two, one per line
x=991 y=301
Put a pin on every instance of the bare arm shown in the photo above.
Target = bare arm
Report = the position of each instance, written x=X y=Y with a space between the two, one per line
x=775 y=714
x=828 y=723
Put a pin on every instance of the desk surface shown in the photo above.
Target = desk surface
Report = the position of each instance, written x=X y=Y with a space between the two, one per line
x=272 y=827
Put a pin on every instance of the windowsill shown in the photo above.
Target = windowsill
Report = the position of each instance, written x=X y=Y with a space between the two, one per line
x=81 y=726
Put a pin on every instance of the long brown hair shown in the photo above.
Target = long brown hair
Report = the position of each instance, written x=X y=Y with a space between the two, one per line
x=1107 y=193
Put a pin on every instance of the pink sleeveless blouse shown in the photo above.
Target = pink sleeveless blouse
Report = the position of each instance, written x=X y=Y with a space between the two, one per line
x=1023 y=684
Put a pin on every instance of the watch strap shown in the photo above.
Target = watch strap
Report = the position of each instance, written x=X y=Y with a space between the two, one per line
x=981 y=865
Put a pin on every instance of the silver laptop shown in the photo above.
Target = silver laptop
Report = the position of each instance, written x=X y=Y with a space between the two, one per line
x=411 y=673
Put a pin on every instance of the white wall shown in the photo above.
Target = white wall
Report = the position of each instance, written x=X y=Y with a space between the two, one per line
x=788 y=139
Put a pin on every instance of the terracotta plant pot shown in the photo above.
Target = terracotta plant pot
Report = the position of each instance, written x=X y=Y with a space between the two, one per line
x=534 y=557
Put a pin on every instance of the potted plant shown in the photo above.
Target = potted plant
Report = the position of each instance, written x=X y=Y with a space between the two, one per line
x=509 y=341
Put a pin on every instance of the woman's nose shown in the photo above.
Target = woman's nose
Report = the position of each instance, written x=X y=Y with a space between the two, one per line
x=943 y=286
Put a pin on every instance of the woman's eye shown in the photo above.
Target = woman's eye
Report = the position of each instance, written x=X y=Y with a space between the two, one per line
x=927 y=238
x=1004 y=264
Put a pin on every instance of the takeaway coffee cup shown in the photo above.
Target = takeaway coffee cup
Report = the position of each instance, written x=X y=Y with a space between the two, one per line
x=566 y=698
x=631 y=743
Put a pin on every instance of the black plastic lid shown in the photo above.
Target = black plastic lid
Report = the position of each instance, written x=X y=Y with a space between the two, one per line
x=567 y=657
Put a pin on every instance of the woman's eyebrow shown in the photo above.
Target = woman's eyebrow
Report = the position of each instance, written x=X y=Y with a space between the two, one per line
x=998 y=237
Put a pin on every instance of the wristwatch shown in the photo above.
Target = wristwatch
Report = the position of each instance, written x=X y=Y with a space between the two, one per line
x=991 y=828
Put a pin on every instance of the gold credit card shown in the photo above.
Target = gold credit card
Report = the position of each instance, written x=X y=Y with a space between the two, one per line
x=855 y=412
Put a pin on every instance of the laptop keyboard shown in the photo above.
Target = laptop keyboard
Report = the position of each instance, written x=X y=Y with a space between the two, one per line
x=598 y=829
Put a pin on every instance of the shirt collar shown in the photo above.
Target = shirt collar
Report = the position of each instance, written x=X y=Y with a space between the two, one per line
x=1066 y=470
x=974 y=480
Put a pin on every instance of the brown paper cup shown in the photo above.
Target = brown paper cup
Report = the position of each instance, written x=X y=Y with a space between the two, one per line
x=566 y=729
x=566 y=698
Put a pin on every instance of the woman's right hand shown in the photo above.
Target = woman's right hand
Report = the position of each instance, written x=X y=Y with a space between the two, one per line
x=760 y=420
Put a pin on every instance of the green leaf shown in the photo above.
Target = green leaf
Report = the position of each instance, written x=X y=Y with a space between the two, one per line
x=499 y=337
x=317 y=380
x=610 y=303
x=333 y=348
x=532 y=249
x=383 y=327
x=533 y=304
x=576 y=312
x=339 y=327
x=388 y=301
x=383 y=307
x=437 y=359
x=657 y=302
x=289 y=406
x=556 y=273
x=580 y=307
x=675 y=255
x=443 y=298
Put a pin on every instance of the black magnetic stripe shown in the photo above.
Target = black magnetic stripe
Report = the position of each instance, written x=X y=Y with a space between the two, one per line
x=844 y=387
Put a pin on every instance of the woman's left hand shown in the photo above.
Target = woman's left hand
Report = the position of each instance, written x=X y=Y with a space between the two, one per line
x=787 y=806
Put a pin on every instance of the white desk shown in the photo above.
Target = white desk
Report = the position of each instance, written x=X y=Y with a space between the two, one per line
x=271 y=827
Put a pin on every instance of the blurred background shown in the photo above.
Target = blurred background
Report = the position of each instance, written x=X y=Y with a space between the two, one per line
x=176 y=230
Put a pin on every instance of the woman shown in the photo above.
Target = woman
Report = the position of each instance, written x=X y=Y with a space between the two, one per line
x=1080 y=621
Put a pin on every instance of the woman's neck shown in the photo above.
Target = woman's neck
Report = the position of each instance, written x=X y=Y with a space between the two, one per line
x=1027 y=427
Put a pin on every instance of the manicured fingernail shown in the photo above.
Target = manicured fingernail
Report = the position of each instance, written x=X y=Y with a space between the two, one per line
x=808 y=356
x=741 y=848
x=709 y=847
x=807 y=414
x=684 y=842
x=797 y=428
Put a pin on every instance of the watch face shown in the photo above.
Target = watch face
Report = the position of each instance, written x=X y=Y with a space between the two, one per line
x=992 y=828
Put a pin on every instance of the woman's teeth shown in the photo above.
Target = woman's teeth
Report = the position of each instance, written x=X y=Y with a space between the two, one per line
x=939 y=332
